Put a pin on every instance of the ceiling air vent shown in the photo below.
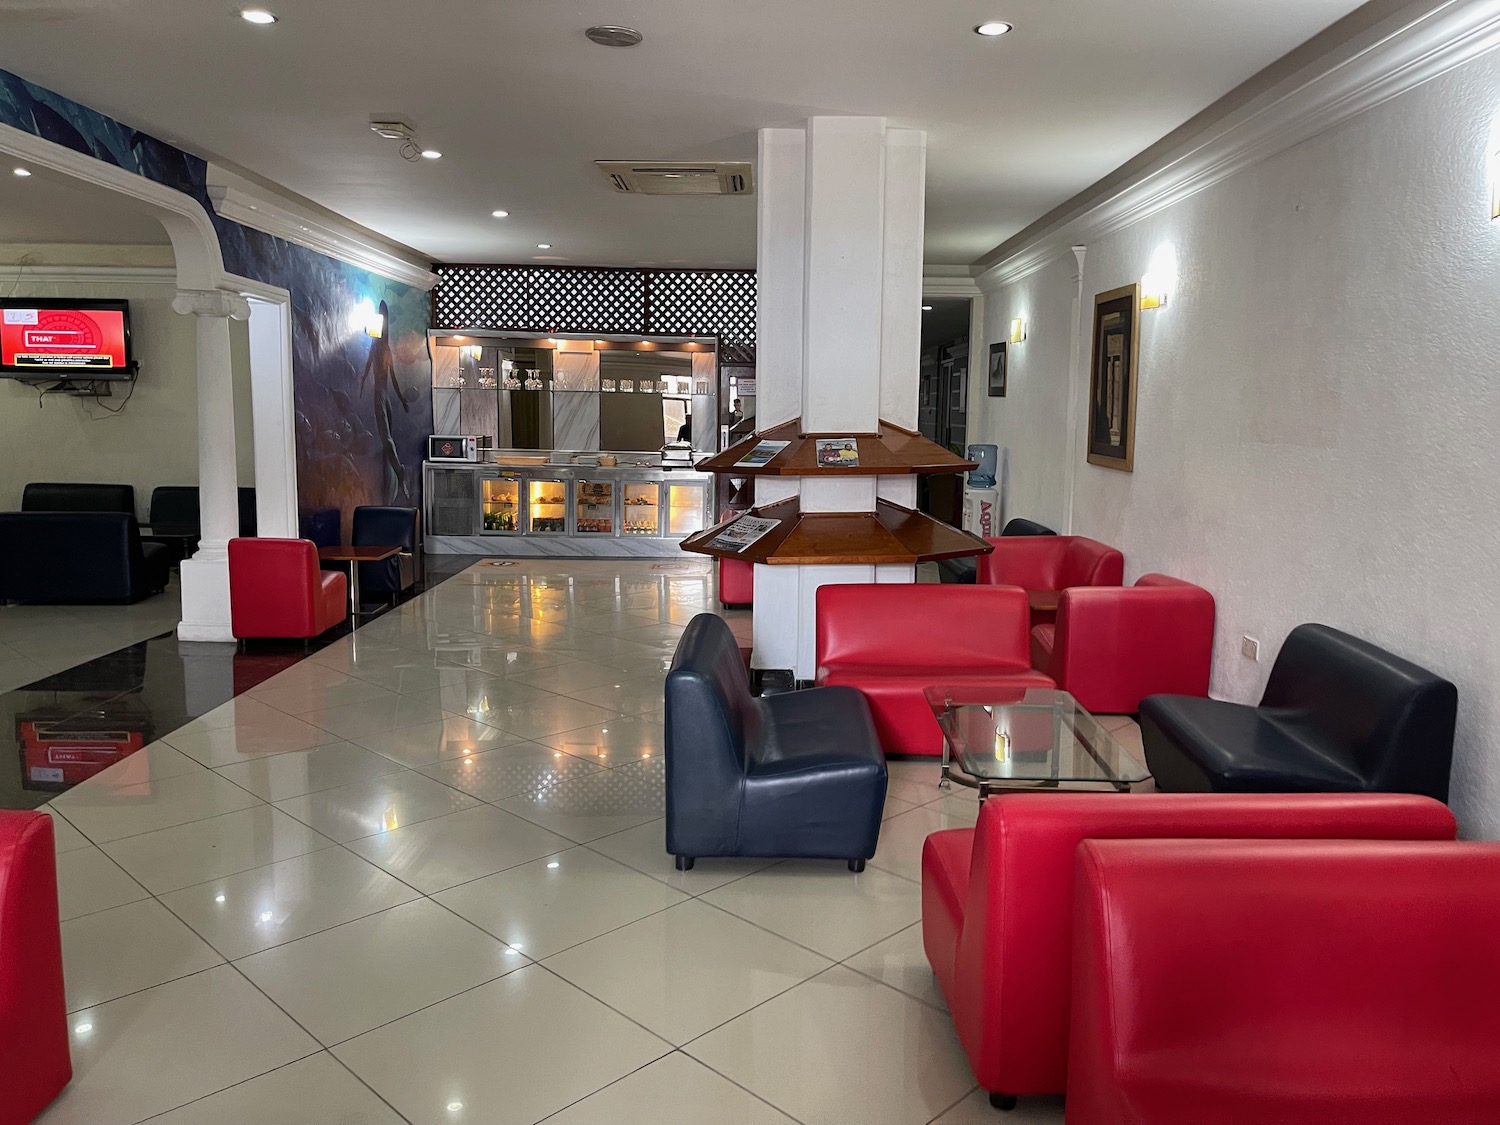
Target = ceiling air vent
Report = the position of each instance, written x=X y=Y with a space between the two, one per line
x=678 y=177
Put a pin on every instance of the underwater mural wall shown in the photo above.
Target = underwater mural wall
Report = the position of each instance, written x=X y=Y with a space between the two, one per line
x=363 y=405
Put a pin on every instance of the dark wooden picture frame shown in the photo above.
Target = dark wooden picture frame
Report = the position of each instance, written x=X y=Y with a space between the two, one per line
x=1112 y=378
x=997 y=369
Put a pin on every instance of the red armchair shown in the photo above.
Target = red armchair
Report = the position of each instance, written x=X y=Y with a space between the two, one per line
x=894 y=641
x=1288 y=983
x=1050 y=562
x=736 y=582
x=997 y=901
x=34 y=1064
x=1111 y=646
x=277 y=590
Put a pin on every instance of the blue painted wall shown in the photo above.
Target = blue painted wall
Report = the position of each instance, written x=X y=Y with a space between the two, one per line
x=363 y=407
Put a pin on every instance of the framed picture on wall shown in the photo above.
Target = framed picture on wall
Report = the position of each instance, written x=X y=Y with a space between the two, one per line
x=1112 y=379
x=997 y=370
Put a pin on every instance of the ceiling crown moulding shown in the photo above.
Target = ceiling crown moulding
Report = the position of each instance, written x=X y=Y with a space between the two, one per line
x=1419 y=43
x=948 y=281
x=263 y=213
x=21 y=273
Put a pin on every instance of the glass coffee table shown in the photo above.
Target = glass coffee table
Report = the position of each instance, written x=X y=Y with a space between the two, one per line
x=1026 y=738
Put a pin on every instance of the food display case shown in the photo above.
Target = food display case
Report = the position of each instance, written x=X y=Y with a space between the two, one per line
x=547 y=506
x=642 y=505
x=580 y=504
x=594 y=503
x=502 y=504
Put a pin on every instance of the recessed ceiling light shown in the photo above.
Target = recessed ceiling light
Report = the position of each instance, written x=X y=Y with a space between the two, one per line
x=544 y=246
x=612 y=35
x=499 y=214
x=926 y=308
x=258 y=16
x=992 y=28
x=431 y=154
x=23 y=172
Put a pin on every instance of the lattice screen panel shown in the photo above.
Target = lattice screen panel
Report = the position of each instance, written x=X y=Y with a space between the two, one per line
x=718 y=303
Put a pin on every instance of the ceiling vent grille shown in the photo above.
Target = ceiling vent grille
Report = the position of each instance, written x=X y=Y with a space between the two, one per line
x=678 y=177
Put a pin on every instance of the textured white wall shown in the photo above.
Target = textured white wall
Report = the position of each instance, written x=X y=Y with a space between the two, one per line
x=1318 y=436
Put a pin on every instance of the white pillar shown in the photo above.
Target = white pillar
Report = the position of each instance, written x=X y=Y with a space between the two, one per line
x=839 y=257
x=205 y=576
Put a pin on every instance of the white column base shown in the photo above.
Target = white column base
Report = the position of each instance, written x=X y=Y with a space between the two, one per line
x=205 y=597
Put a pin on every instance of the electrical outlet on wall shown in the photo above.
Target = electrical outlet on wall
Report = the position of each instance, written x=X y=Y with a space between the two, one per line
x=1250 y=648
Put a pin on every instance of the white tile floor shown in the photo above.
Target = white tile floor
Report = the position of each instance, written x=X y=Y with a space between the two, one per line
x=420 y=877
x=39 y=640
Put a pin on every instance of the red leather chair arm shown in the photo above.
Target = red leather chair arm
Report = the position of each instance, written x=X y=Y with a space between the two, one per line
x=34 y=1062
x=1028 y=561
x=333 y=598
x=1267 y=982
x=1113 y=645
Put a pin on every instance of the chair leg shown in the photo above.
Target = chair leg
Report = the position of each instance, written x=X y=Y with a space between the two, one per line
x=1005 y=1102
x=856 y=865
x=684 y=863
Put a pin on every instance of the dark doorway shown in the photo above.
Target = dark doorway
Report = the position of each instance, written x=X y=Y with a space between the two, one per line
x=943 y=401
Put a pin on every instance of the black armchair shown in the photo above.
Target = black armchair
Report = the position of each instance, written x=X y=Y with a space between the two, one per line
x=793 y=775
x=75 y=557
x=1338 y=715
x=379 y=526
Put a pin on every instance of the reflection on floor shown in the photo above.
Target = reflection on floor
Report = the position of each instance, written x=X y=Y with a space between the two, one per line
x=420 y=877
x=39 y=640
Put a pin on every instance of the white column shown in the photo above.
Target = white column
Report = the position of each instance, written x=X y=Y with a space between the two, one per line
x=205 y=576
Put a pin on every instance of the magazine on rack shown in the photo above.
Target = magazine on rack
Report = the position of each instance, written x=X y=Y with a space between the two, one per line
x=762 y=453
x=743 y=532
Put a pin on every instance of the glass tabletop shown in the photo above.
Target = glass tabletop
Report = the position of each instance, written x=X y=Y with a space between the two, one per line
x=1037 y=735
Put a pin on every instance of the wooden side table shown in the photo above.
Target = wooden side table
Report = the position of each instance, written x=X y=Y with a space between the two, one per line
x=354 y=556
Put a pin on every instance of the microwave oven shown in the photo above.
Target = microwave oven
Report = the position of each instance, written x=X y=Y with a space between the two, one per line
x=452 y=447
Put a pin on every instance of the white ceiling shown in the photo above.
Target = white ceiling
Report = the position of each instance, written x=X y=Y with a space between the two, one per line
x=48 y=208
x=521 y=104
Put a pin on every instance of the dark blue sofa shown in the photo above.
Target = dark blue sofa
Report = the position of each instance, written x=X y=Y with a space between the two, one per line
x=74 y=557
x=794 y=775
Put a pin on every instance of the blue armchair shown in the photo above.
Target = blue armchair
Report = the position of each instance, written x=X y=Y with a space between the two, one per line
x=379 y=526
x=794 y=775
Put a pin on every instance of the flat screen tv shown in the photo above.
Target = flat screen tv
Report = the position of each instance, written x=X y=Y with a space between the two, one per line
x=52 y=338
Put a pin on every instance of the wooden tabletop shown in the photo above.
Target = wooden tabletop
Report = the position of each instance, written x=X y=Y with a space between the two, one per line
x=356 y=554
x=1043 y=599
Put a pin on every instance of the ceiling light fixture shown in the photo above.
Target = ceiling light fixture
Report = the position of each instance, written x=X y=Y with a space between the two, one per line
x=544 y=246
x=431 y=154
x=612 y=35
x=926 y=308
x=992 y=28
x=23 y=172
x=258 y=16
x=499 y=214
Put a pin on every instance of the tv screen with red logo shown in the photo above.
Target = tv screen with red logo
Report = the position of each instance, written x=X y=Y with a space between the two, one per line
x=63 y=339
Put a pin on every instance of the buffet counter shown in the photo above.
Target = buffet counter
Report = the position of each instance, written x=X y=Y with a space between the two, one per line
x=528 y=504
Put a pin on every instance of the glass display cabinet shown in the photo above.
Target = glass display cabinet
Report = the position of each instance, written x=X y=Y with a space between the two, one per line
x=547 y=507
x=642 y=506
x=686 y=508
x=595 y=508
x=502 y=505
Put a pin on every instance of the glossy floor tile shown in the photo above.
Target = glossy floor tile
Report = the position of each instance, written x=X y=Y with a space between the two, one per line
x=318 y=1090
x=897 y=1060
x=687 y=969
x=446 y=851
x=510 y=1052
x=558 y=901
x=159 y=1049
x=433 y=856
x=673 y=1089
x=362 y=974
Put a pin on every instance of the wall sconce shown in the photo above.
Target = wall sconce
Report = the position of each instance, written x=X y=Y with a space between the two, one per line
x=1017 y=330
x=366 y=318
x=1160 y=279
x=1495 y=185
